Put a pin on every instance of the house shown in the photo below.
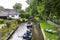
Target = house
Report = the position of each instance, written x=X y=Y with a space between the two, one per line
x=9 y=13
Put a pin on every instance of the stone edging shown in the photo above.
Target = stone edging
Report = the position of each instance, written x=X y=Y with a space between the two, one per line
x=12 y=33
x=43 y=33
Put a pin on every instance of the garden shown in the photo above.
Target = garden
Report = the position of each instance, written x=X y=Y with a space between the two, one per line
x=9 y=26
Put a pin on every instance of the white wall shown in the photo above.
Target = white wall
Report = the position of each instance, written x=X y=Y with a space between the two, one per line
x=14 y=16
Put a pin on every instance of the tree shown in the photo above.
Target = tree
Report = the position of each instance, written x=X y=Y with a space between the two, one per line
x=28 y=2
x=17 y=6
x=22 y=11
x=45 y=8
x=27 y=9
x=1 y=7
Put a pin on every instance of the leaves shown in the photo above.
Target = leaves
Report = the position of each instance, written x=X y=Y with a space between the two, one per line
x=17 y=6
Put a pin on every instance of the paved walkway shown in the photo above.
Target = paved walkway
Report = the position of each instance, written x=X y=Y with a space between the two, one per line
x=19 y=32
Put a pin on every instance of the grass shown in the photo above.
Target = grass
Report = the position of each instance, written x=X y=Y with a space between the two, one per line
x=49 y=35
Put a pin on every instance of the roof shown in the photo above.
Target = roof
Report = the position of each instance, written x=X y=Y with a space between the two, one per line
x=7 y=12
x=3 y=14
x=11 y=11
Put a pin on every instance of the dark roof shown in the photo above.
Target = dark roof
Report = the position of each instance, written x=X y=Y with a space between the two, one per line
x=7 y=12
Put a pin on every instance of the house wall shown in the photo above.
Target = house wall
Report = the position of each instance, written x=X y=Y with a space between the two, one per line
x=14 y=16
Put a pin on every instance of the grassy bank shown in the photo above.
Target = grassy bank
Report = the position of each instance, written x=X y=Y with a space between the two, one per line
x=49 y=35
x=7 y=30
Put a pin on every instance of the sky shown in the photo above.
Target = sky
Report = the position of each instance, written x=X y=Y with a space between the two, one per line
x=9 y=3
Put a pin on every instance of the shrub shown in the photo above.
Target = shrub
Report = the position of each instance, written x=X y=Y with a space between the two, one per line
x=18 y=21
x=23 y=20
x=1 y=21
x=8 y=24
x=26 y=20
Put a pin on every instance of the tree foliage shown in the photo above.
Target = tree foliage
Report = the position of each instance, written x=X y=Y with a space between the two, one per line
x=44 y=8
x=18 y=6
x=1 y=7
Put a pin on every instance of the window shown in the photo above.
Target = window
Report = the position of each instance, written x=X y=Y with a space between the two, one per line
x=12 y=15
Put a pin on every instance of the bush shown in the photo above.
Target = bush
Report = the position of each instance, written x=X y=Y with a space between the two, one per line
x=18 y=21
x=26 y=20
x=23 y=20
x=8 y=24
x=1 y=21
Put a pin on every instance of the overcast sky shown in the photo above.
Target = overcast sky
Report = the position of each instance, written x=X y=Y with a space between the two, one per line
x=9 y=3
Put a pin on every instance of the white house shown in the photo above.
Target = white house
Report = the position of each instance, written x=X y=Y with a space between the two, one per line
x=9 y=13
x=14 y=16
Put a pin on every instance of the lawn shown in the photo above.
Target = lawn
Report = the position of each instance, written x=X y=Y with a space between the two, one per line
x=49 y=35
